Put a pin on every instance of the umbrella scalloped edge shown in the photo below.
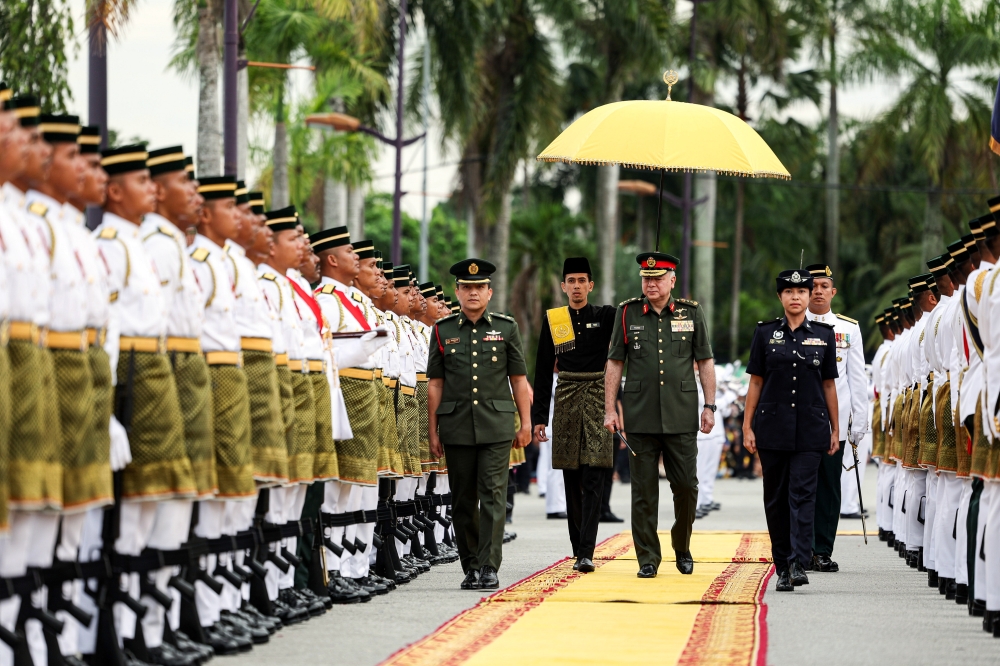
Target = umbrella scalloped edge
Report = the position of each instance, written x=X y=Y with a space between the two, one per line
x=656 y=167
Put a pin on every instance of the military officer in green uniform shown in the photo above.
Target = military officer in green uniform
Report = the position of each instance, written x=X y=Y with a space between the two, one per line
x=660 y=337
x=477 y=383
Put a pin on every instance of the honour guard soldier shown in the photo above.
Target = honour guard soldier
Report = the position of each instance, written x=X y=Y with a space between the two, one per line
x=661 y=338
x=793 y=402
x=852 y=395
x=476 y=361
x=883 y=514
x=576 y=336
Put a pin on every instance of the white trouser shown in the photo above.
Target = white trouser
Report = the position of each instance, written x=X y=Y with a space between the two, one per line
x=350 y=501
x=992 y=547
x=331 y=498
x=441 y=487
x=945 y=526
x=882 y=511
x=68 y=550
x=361 y=562
x=986 y=498
x=555 y=494
x=91 y=545
x=914 y=500
x=211 y=515
x=930 y=512
x=709 y=455
x=962 y=534
x=295 y=500
x=544 y=465
x=849 y=501
x=30 y=542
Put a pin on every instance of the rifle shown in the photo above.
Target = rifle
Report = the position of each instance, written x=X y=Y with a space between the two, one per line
x=857 y=477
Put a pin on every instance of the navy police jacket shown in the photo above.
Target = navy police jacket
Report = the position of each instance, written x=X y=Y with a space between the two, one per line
x=792 y=413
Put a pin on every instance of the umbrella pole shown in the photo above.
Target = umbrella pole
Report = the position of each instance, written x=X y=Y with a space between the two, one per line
x=659 y=208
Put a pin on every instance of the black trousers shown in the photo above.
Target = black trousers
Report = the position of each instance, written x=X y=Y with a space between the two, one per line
x=828 y=502
x=790 y=503
x=584 y=492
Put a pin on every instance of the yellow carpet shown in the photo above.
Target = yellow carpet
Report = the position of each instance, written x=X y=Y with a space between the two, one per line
x=715 y=616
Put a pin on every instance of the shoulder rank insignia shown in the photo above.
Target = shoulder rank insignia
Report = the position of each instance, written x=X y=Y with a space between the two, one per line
x=200 y=254
x=630 y=300
x=447 y=317
x=768 y=321
x=687 y=301
x=108 y=233
x=821 y=323
x=502 y=316
x=38 y=208
x=328 y=289
x=269 y=276
x=847 y=319
x=356 y=296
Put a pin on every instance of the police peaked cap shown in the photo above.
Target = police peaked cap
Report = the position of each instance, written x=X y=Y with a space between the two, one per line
x=796 y=278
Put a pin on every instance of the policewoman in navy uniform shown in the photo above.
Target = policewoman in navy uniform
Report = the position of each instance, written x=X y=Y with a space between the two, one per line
x=793 y=399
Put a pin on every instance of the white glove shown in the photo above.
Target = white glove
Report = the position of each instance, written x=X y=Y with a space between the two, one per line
x=121 y=452
x=857 y=434
x=354 y=352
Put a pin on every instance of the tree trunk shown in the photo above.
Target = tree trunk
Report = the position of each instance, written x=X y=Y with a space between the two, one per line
x=279 y=184
x=734 y=307
x=242 y=120
x=833 y=163
x=933 y=227
x=607 y=228
x=705 y=185
x=641 y=233
x=209 y=129
x=356 y=211
x=334 y=205
x=501 y=245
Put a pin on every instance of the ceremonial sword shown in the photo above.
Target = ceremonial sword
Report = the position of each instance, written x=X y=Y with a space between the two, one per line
x=857 y=476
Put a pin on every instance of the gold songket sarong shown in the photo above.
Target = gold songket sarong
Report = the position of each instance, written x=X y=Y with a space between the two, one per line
x=231 y=425
x=194 y=394
x=947 y=459
x=302 y=457
x=268 y=446
x=358 y=457
x=578 y=433
x=325 y=466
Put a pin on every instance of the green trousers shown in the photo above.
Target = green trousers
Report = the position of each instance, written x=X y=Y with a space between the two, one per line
x=680 y=461
x=828 y=502
x=478 y=479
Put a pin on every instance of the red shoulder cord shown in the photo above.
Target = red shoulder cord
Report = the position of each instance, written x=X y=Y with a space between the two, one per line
x=437 y=334
x=624 y=328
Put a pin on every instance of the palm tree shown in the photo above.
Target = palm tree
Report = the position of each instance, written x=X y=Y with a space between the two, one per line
x=618 y=41
x=936 y=47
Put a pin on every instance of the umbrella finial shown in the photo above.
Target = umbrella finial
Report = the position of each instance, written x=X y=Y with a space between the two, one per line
x=670 y=77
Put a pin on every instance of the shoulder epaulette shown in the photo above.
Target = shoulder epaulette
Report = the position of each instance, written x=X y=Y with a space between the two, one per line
x=200 y=254
x=502 y=316
x=822 y=323
x=357 y=296
x=687 y=301
x=327 y=289
x=630 y=300
x=447 y=317
x=38 y=208
x=269 y=276
x=108 y=233
x=847 y=319
x=768 y=321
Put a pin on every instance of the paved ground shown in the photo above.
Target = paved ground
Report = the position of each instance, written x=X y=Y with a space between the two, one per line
x=875 y=611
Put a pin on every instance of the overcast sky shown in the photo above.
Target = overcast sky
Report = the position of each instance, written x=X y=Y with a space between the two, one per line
x=147 y=100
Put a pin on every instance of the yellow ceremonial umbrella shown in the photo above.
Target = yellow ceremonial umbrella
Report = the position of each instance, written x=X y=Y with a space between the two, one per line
x=665 y=135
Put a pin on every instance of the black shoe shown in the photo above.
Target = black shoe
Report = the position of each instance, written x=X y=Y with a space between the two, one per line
x=784 y=582
x=132 y=660
x=700 y=513
x=257 y=634
x=340 y=593
x=942 y=585
x=932 y=578
x=714 y=506
x=920 y=560
x=471 y=581
x=890 y=539
x=585 y=565
x=371 y=585
x=576 y=565
x=509 y=536
x=685 y=563
x=646 y=571
x=609 y=517
x=363 y=594
x=989 y=621
x=73 y=660
x=996 y=625
x=223 y=642
x=488 y=578
x=977 y=608
x=824 y=563
x=961 y=593
x=852 y=516
x=882 y=535
x=168 y=655
x=950 y=591
x=558 y=515
x=797 y=574
x=185 y=644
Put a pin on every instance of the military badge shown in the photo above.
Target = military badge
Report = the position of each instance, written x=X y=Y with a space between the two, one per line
x=473 y=269
x=651 y=262
x=452 y=341
x=777 y=335
x=685 y=326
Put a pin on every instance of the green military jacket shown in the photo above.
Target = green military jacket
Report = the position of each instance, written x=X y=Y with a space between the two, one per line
x=660 y=394
x=475 y=359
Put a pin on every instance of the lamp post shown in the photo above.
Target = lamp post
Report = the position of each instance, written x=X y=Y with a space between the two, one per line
x=342 y=122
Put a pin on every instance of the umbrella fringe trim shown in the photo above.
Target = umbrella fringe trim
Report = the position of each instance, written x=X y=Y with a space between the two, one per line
x=655 y=167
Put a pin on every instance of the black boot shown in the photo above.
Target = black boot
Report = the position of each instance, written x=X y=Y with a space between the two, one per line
x=932 y=578
x=977 y=608
x=961 y=593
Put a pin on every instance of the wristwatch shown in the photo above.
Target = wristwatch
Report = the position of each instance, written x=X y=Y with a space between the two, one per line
x=708 y=406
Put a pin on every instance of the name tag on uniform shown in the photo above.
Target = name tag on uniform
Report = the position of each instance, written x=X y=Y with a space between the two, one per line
x=776 y=342
x=594 y=324
x=816 y=342
x=843 y=340
x=678 y=326
x=452 y=341
x=636 y=328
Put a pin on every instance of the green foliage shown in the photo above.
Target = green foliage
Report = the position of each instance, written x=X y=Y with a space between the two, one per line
x=445 y=237
x=35 y=37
